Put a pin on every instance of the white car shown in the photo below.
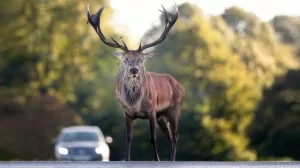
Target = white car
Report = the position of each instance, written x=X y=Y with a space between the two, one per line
x=81 y=143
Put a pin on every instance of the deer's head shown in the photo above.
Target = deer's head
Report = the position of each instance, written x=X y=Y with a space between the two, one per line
x=132 y=61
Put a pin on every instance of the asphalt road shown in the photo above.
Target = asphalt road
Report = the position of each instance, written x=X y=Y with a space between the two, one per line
x=147 y=164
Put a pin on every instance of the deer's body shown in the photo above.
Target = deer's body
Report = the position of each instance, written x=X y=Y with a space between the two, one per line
x=142 y=94
x=153 y=92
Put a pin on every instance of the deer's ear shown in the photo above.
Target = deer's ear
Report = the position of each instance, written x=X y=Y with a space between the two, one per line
x=148 y=56
x=118 y=54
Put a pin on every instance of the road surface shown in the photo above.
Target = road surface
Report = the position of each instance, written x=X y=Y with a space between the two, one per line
x=147 y=164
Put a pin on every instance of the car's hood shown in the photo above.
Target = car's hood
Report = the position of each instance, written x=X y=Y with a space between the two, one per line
x=79 y=144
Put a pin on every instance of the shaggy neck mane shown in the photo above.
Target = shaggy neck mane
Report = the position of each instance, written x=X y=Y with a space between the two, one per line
x=131 y=88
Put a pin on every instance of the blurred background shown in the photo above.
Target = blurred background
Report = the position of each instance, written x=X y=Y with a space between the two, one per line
x=237 y=60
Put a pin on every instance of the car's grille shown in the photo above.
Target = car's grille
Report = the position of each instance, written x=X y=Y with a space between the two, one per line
x=81 y=151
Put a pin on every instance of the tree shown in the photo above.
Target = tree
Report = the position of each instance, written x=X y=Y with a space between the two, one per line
x=55 y=46
x=53 y=51
x=275 y=128
x=27 y=131
x=257 y=45
x=288 y=30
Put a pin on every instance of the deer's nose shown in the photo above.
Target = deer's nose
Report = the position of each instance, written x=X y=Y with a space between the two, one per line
x=134 y=70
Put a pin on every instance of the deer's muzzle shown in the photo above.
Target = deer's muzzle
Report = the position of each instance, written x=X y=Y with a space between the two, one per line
x=134 y=71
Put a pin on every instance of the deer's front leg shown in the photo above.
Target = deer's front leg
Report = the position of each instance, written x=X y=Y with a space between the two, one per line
x=152 y=122
x=129 y=132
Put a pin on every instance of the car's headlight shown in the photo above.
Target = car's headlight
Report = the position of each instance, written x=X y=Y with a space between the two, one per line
x=63 y=151
x=102 y=150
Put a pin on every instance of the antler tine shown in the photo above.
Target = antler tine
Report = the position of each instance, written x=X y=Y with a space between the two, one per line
x=125 y=45
x=115 y=41
x=166 y=15
x=139 y=49
x=176 y=11
x=169 y=23
x=88 y=12
x=94 y=20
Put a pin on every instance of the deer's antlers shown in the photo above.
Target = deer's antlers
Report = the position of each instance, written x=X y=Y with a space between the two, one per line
x=94 y=20
x=170 y=20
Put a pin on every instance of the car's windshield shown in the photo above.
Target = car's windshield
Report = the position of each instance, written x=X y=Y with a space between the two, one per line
x=79 y=136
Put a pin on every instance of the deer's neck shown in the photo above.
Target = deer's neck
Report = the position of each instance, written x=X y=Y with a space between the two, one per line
x=131 y=89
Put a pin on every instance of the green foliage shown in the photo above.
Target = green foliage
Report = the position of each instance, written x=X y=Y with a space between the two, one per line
x=288 y=30
x=275 y=130
x=255 y=42
x=46 y=44
x=287 y=27
x=52 y=51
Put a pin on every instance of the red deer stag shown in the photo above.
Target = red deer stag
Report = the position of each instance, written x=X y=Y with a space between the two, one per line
x=142 y=94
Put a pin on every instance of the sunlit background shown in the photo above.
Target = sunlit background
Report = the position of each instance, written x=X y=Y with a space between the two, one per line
x=237 y=60
x=134 y=17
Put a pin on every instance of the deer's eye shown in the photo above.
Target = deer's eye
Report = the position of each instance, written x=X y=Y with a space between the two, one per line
x=141 y=61
x=125 y=62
